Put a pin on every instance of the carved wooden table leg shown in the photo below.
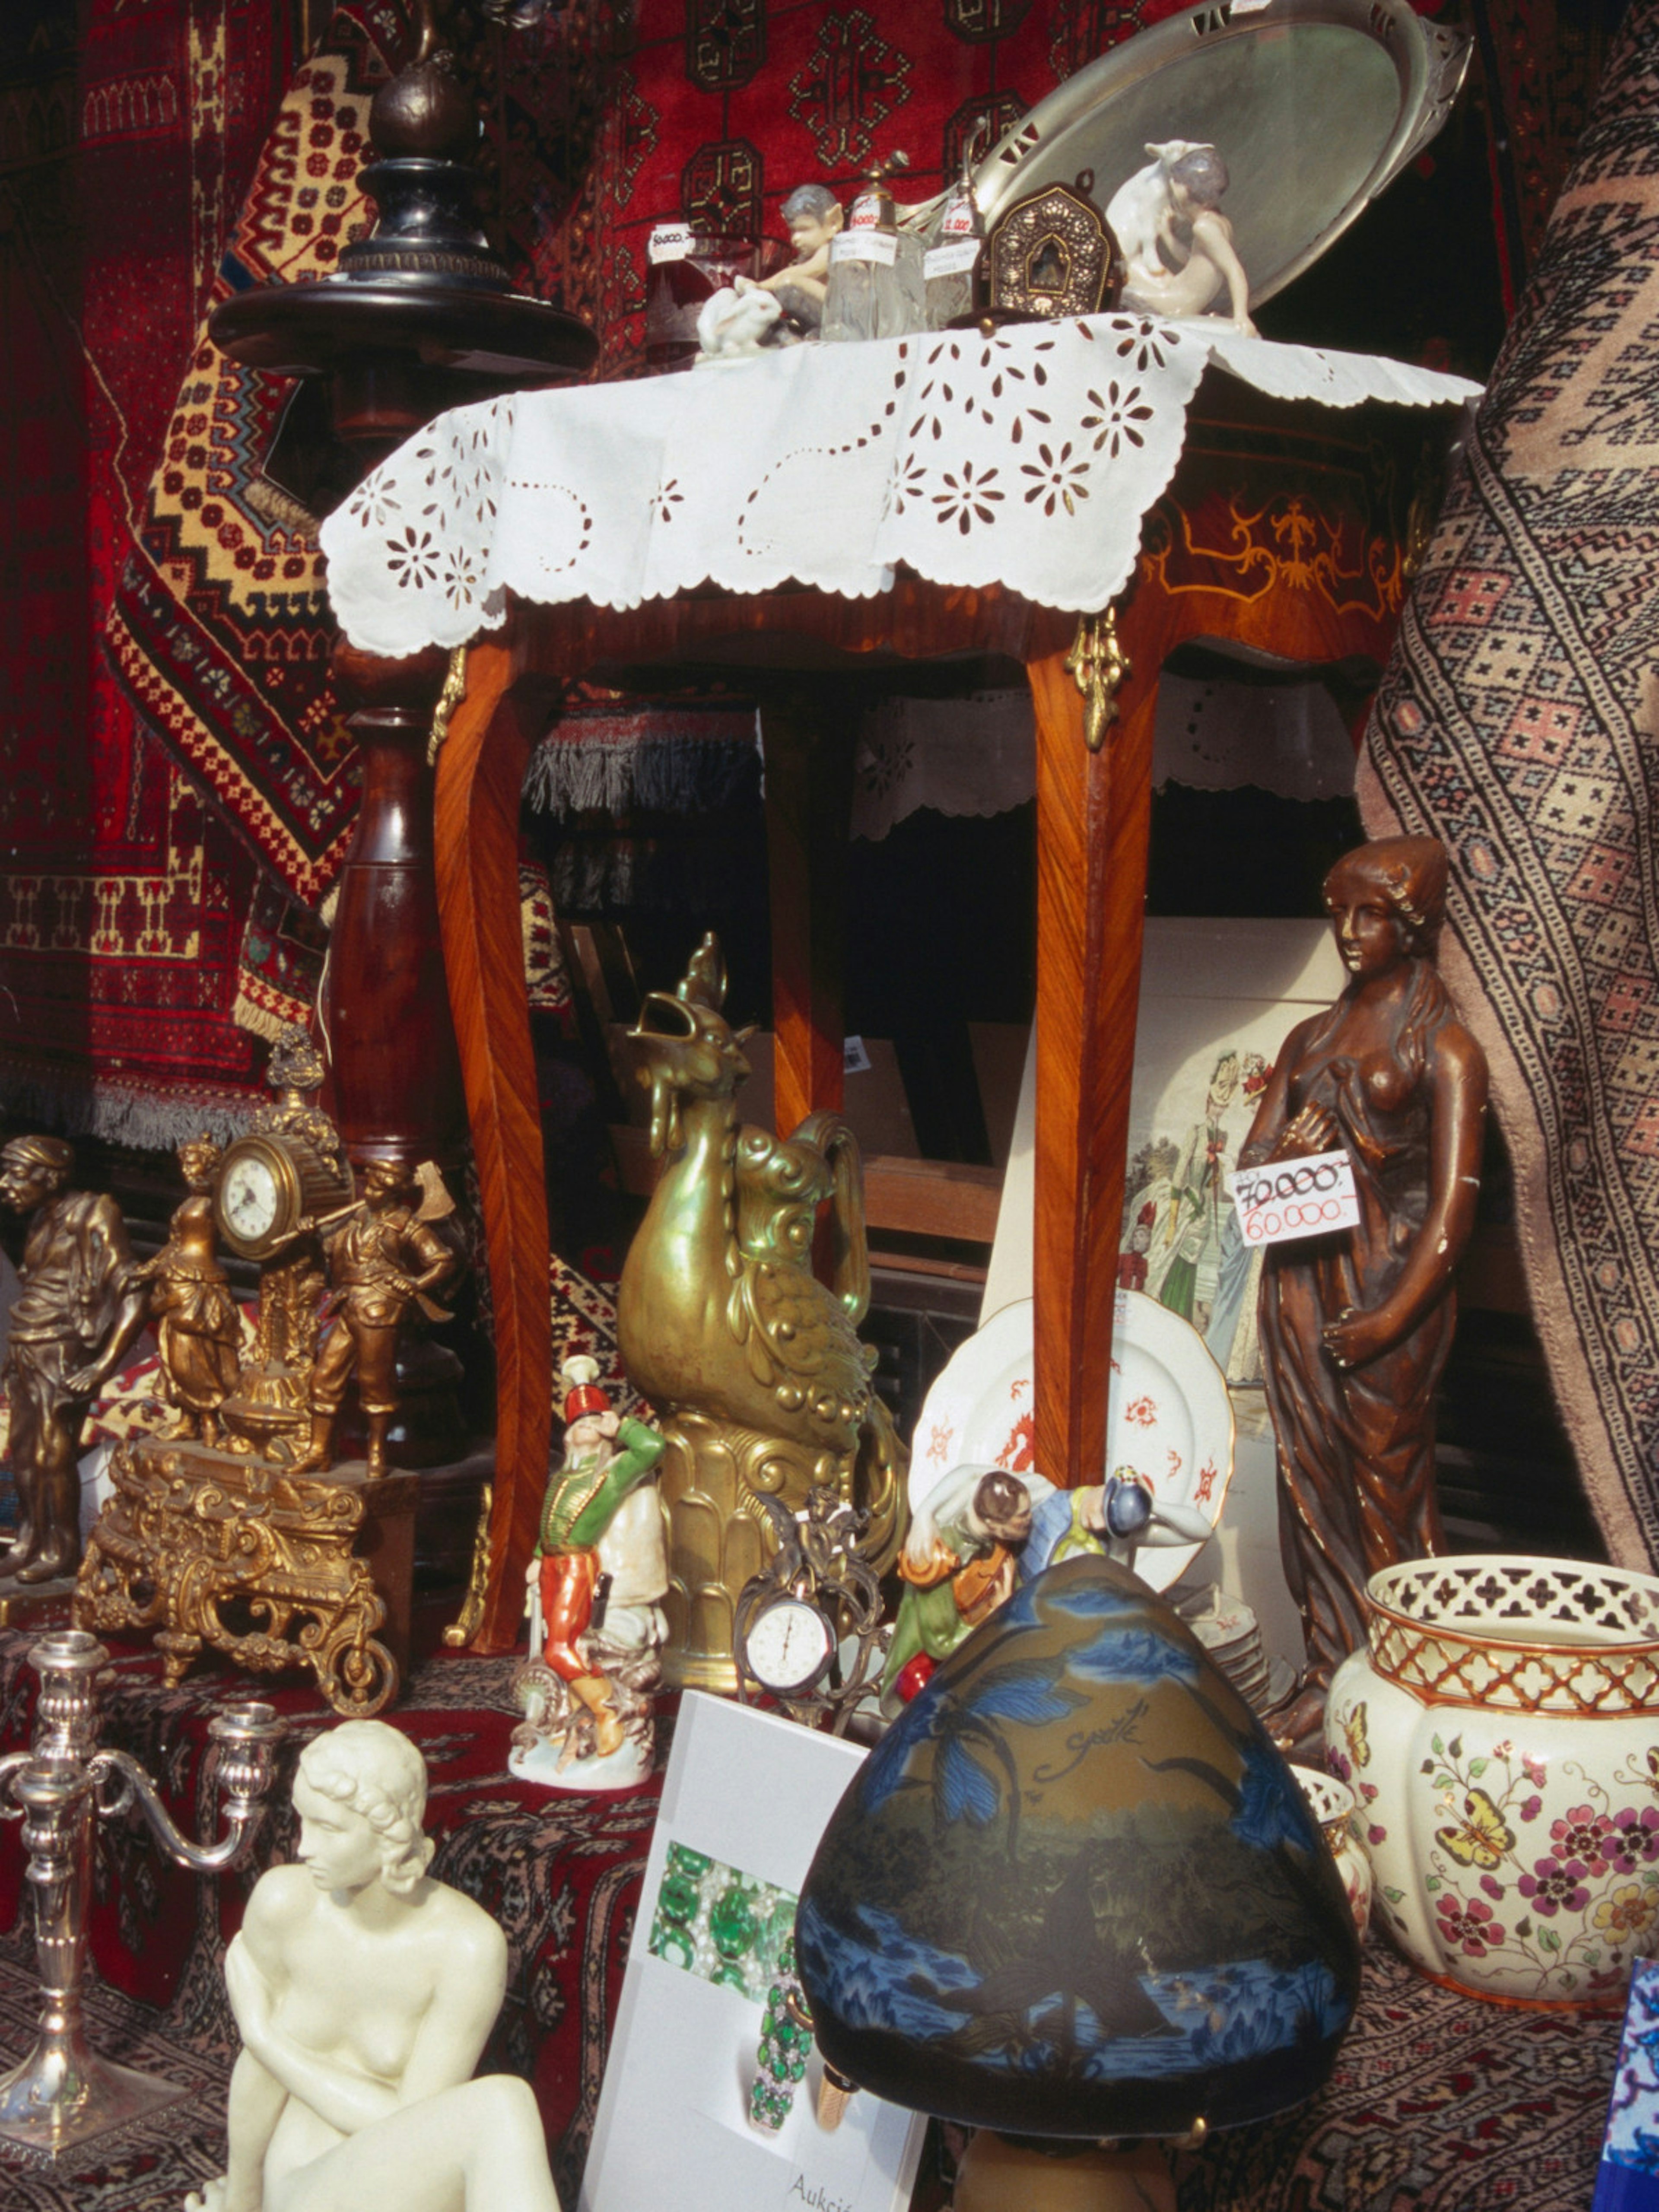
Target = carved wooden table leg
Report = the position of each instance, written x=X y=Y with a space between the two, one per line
x=1094 y=812
x=480 y=771
x=808 y=738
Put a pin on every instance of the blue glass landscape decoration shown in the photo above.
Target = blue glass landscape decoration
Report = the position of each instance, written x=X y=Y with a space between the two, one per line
x=1075 y=1890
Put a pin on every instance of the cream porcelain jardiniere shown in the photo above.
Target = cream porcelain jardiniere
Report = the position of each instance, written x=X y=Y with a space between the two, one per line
x=1336 y=1808
x=1501 y=1730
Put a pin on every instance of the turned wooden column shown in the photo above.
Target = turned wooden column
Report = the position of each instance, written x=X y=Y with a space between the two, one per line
x=395 y=1070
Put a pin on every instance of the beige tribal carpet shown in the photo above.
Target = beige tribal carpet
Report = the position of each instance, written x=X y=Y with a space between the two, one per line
x=1517 y=721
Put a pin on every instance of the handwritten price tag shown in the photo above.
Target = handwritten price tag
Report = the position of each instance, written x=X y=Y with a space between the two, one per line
x=1290 y=1198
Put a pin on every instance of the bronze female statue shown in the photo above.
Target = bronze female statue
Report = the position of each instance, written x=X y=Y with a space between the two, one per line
x=1356 y=1326
x=197 y=1326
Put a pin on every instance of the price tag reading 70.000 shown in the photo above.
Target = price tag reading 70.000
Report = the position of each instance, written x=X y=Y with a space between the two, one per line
x=1289 y=1198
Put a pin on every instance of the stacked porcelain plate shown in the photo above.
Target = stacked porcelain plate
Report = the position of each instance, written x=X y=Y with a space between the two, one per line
x=1230 y=1631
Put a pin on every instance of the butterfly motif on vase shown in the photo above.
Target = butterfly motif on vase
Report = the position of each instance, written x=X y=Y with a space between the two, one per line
x=1482 y=1838
x=1359 y=1745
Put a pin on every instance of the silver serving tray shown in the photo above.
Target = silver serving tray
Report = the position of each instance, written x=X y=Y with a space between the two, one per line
x=1315 y=105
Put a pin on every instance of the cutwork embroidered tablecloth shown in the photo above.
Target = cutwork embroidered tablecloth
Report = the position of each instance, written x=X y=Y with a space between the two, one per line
x=1026 y=458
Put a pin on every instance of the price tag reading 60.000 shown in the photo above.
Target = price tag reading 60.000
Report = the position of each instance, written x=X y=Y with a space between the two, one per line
x=1289 y=1198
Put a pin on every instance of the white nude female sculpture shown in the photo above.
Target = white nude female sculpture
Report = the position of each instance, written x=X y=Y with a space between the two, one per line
x=365 y=1992
x=1178 y=246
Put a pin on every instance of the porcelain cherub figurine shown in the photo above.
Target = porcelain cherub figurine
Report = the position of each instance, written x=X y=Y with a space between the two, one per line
x=752 y=313
x=364 y=1991
x=1178 y=246
x=597 y=1582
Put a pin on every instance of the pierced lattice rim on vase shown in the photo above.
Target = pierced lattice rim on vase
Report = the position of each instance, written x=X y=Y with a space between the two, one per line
x=1520 y=1635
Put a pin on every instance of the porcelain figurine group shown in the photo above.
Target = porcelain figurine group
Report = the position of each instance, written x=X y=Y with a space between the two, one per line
x=595 y=1586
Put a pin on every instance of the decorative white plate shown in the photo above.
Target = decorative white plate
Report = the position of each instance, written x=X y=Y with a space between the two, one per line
x=1169 y=1419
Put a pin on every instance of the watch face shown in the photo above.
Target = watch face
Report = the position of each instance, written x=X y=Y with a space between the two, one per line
x=249 y=1198
x=788 y=1645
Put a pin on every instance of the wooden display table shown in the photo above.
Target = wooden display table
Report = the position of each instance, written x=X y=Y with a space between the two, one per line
x=1284 y=531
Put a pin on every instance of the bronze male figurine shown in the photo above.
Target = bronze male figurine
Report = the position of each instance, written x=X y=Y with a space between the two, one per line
x=381 y=1259
x=77 y=1306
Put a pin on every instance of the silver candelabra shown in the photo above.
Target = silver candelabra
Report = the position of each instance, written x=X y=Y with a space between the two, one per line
x=62 y=2093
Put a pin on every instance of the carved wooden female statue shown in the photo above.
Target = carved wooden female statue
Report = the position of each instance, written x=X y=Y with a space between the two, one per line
x=1356 y=1326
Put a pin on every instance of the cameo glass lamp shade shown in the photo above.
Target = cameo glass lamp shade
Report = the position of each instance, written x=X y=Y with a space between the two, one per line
x=1075 y=1890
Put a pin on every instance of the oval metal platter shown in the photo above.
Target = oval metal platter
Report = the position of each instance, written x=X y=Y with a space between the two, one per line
x=1315 y=106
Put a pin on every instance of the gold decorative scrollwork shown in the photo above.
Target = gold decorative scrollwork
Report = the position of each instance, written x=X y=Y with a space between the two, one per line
x=242 y=1557
x=465 y=1626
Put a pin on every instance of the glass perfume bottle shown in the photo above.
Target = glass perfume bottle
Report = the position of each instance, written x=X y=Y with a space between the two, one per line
x=955 y=244
x=876 y=283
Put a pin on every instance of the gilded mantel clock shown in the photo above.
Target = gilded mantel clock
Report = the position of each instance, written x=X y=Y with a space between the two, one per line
x=275 y=1185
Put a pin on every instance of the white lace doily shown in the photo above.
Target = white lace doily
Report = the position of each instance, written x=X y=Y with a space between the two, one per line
x=1027 y=459
x=978 y=754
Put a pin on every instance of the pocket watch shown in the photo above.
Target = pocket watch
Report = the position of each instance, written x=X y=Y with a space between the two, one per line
x=814 y=1596
x=787 y=1644
x=272 y=1186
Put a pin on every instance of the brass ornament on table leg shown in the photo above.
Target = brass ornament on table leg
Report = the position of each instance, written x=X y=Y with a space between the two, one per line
x=1099 y=666
x=61 y=2096
x=465 y=1626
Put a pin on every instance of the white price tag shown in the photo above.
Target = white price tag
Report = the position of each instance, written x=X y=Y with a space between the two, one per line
x=1290 y=1198
x=671 y=241
x=864 y=246
x=952 y=260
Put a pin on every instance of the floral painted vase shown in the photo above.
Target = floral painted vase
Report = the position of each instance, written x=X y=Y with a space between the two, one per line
x=1074 y=1890
x=1335 y=1807
x=1501 y=1730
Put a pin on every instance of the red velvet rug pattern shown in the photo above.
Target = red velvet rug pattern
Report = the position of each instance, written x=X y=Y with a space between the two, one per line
x=126 y=138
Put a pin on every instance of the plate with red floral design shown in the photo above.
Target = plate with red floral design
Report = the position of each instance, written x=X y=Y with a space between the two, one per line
x=1168 y=1418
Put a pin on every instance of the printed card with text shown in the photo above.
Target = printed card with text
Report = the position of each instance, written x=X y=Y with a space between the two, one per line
x=746 y=1799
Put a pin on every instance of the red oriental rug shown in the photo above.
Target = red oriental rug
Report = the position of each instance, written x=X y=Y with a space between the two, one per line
x=127 y=136
x=1518 y=722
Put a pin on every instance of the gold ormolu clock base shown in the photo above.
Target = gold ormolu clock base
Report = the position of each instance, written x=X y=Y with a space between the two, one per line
x=214 y=1550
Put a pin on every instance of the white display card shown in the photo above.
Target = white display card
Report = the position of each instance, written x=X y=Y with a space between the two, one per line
x=953 y=259
x=753 y=1793
x=864 y=246
x=1288 y=1199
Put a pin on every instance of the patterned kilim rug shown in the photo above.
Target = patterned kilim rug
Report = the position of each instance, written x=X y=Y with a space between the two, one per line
x=1518 y=722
